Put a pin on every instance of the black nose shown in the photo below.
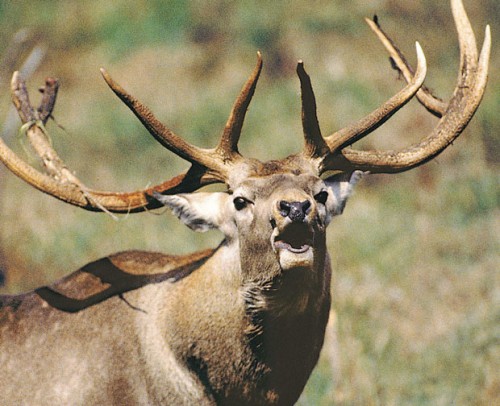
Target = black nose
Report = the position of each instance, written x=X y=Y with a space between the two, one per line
x=296 y=211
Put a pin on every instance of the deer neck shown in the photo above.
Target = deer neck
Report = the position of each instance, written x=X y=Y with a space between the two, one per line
x=260 y=346
x=287 y=314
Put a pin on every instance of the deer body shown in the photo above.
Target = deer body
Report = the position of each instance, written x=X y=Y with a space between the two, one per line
x=252 y=334
x=239 y=325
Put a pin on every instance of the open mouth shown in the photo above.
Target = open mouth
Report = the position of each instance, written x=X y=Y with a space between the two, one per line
x=296 y=238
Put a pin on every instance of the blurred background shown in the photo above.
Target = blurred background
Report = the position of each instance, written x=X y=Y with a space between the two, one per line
x=416 y=284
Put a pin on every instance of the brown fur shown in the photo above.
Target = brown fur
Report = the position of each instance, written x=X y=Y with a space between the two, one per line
x=82 y=345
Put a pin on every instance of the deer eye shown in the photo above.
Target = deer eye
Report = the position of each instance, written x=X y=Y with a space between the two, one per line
x=240 y=203
x=321 y=197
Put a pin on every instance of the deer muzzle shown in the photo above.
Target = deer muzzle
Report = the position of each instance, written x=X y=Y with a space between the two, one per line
x=293 y=235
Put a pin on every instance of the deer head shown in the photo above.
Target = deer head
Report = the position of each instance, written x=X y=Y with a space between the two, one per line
x=282 y=217
x=272 y=197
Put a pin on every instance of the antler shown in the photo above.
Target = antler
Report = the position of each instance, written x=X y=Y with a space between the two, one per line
x=208 y=165
x=218 y=164
x=455 y=115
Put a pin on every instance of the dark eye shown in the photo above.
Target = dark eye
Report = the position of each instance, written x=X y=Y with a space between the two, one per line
x=240 y=203
x=322 y=197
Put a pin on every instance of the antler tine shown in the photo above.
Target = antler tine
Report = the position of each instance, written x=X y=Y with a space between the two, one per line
x=432 y=103
x=228 y=144
x=473 y=75
x=315 y=145
x=162 y=134
x=372 y=121
x=466 y=39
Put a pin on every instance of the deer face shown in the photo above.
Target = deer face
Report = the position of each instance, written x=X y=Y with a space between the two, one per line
x=280 y=218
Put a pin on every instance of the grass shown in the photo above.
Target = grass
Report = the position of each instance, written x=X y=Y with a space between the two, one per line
x=416 y=284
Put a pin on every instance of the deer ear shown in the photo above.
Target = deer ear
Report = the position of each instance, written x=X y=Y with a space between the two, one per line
x=341 y=187
x=199 y=211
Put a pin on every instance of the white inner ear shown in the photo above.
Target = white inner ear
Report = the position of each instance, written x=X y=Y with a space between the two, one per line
x=341 y=187
x=201 y=211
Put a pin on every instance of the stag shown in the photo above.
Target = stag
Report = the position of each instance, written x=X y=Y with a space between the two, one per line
x=241 y=324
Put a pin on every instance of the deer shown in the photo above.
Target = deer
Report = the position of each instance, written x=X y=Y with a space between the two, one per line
x=239 y=324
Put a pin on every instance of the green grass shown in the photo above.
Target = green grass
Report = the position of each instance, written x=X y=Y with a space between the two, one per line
x=415 y=256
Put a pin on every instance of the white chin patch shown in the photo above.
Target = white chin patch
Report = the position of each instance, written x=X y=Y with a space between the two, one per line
x=294 y=258
x=294 y=246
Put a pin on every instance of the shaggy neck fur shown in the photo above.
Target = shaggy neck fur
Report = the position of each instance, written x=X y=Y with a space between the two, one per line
x=288 y=312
